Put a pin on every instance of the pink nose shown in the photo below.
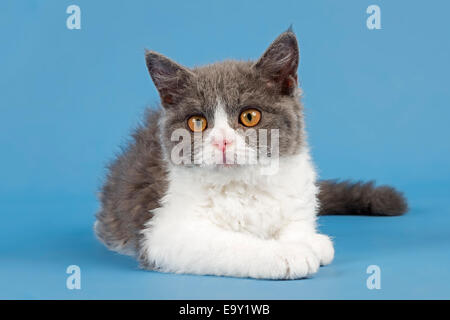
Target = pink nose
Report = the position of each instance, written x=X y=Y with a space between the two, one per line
x=221 y=143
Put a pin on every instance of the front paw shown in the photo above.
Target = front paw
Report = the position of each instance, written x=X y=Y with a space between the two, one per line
x=300 y=259
x=323 y=247
x=282 y=261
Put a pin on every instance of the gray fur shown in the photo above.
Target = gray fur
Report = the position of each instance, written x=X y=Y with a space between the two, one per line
x=358 y=198
x=135 y=183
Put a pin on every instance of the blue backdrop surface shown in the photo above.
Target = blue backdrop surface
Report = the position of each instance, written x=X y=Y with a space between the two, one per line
x=377 y=106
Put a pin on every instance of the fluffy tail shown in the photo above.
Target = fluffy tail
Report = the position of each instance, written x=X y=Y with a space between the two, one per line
x=358 y=198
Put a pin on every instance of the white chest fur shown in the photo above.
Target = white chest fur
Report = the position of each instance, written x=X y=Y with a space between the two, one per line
x=238 y=223
x=244 y=200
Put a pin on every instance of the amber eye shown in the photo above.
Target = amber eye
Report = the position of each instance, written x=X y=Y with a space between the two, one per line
x=197 y=123
x=250 y=117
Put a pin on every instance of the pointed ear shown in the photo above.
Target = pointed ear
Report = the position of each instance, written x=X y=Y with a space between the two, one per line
x=169 y=77
x=280 y=62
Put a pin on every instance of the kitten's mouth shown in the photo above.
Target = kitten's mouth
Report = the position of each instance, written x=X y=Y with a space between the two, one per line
x=226 y=165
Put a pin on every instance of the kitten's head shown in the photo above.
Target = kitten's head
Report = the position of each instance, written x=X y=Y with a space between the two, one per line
x=228 y=112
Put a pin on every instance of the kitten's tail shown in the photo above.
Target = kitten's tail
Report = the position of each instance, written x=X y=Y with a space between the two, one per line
x=358 y=198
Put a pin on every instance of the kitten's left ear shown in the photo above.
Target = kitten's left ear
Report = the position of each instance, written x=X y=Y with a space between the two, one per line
x=280 y=62
x=169 y=77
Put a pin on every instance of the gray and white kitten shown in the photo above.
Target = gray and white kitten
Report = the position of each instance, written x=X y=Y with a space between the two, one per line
x=226 y=217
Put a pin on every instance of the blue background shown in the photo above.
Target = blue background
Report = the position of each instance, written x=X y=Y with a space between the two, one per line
x=377 y=106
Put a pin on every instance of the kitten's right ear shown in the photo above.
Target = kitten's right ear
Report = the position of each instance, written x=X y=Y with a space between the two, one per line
x=280 y=62
x=169 y=77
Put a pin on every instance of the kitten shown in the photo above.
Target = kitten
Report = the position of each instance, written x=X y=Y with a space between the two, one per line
x=192 y=211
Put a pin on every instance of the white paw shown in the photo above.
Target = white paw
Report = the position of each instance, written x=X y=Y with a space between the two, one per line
x=300 y=259
x=274 y=268
x=323 y=247
x=283 y=260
